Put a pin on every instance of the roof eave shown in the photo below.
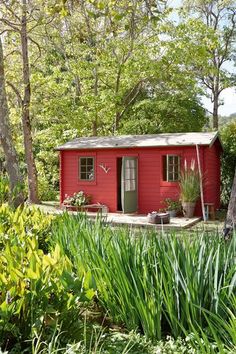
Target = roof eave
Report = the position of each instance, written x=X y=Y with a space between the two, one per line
x=217 y=136
x=126 y=147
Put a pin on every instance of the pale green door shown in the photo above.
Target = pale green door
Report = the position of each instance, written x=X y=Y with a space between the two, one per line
x=129 y=190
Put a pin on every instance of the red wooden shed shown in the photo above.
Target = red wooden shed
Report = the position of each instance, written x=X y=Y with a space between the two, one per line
x=135 y=173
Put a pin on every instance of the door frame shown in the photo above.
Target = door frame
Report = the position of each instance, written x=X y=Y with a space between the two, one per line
x=131 y=155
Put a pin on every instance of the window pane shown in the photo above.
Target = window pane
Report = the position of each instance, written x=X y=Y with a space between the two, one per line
x=90 y=172
x=89 y=161
x=128 y=173
x=132 y=185
x=83 y=175
x=132 y=173
x=170 y=177
x=86 y=165
x=127 y=185
x=83 y=161
x=164 y=168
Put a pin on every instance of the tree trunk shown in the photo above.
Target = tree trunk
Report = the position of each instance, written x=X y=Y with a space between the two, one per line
x=231 y=214
x=12 y=165
x=29 y=156
x=215 y=111
x=216 y=93
x=95 y=122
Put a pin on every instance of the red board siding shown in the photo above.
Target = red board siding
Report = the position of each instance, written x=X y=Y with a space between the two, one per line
x=152 y=190
x=212 y=174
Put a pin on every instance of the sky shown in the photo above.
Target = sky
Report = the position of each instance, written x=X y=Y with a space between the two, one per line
x=228 y=96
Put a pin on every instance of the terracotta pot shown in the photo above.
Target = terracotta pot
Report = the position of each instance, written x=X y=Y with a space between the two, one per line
x=188 y=209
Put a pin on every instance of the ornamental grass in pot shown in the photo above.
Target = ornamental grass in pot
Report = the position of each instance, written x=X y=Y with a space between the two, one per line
x=189 y=188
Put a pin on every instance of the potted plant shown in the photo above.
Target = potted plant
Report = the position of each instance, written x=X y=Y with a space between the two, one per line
x=77 y=200
x=172 y=206
x=189 y=189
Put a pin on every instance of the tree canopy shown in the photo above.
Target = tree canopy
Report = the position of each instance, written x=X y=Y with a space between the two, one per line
x=102 y=67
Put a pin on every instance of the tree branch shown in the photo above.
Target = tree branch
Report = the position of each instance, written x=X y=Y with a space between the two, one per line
x=38 y=46
x=11 y=24
x=13 y=87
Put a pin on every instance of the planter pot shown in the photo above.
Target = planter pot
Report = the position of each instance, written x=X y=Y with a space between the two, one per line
x=172 y=213
x=152 y=218
x=158 y=218
x=188 y=209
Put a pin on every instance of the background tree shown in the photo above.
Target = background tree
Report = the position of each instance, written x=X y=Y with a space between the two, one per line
x=100 y=68
x=16 y=15
x=12 y=165
x=219 y=16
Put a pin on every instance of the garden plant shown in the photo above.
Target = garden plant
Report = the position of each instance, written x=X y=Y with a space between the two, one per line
x=66 y=283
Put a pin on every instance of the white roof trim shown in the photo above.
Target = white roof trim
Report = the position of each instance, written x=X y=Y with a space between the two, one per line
x=133 y=141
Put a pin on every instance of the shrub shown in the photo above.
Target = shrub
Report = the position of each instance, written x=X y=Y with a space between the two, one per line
x=27 y=222
x=38 y=290
x=46 y=191
x=4 y=188
x=172 y=204
x=228 y=162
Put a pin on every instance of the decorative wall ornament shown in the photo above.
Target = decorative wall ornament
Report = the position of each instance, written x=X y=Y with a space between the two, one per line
x=104 y=167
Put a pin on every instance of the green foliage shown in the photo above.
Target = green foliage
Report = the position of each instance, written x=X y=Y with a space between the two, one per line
x=7 y=196
x=172 y=204
x=104 y=68
x=27 y=223
x=183 y=286
x=228 y=162
x=164 y=284
x=189 y=183
x=4 y=188
x=37 y=290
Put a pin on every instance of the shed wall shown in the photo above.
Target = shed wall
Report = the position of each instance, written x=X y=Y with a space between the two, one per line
x=212 y=174
x=152 y=190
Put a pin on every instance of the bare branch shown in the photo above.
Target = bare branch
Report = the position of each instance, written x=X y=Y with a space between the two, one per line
x=11 y=24
x=38 y=46
x=14 y=51
x=11 y=11
x=17 y=92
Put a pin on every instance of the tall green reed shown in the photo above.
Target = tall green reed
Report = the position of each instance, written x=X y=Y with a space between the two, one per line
x=155 y=283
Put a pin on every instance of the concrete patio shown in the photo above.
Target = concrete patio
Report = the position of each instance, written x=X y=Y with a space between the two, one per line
x=119 y=219
x=134 y=220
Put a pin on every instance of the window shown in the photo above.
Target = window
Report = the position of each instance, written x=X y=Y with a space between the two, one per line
x=86 y=168
x=130 y=175
x=171 y=168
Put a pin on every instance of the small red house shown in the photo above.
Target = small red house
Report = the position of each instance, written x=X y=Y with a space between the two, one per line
x=136 y=173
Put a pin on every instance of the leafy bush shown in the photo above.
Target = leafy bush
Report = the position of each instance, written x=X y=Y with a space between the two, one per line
x=38 y=290
x=228 y=136
x=171 y=204
x=4 y=188
x=46 y=190
x=27 y=222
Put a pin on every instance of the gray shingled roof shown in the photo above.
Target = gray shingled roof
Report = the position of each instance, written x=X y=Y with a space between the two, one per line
x=127 y=141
